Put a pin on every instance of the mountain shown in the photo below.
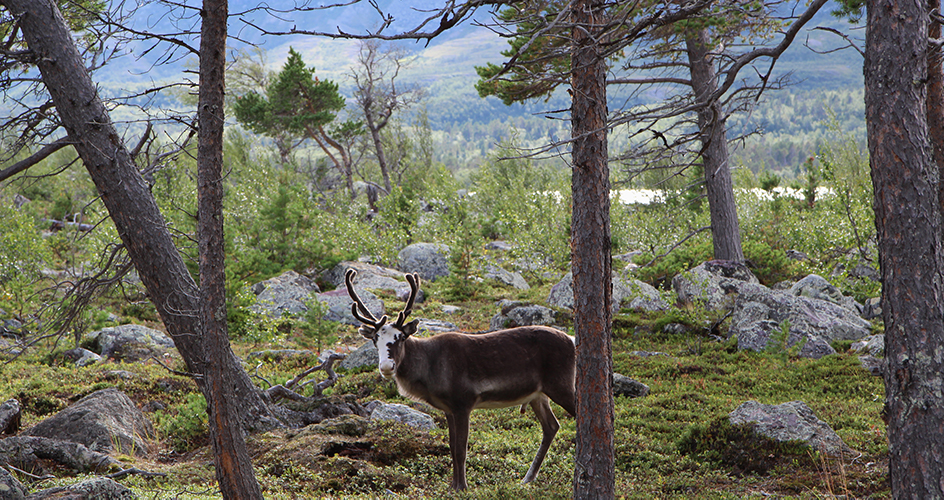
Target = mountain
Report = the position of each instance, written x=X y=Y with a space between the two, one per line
x=445 y=66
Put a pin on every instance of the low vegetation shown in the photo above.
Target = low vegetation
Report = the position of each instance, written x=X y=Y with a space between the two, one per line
x=673 y=443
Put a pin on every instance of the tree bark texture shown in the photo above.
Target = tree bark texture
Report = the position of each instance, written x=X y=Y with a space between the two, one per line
x=725 y=230
x=126 y=196
x=594 y=474
x=936 y=98
x=908 y=222
x=234 y=472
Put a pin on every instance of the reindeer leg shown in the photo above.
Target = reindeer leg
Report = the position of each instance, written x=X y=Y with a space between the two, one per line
x=458 y=443
x=550 y=426
x=458 y=446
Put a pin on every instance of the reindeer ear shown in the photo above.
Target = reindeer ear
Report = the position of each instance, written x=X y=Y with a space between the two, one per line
x=410 y=328
x=368 y=332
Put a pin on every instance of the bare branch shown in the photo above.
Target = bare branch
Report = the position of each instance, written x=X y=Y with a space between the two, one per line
x=34 y=159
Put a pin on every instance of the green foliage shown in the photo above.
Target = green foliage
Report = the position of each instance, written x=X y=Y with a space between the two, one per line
x=23 y=254
x=527 y=205
x=681 y=259
x=187 y=428
x=282 y=236
x=296 y=102
x=770 y=265
x=464 y=257
x=314 y=327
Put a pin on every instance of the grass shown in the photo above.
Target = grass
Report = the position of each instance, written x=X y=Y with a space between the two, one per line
x=673 y=443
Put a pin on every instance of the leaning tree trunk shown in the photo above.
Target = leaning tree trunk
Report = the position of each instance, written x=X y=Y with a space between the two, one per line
x=127 y=198
x=908 y=224
x=594 y=475
x=234 y=472
x=725 y=231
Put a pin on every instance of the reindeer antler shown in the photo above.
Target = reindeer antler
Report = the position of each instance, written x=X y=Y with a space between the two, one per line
x=414 y=281
x=358 y=309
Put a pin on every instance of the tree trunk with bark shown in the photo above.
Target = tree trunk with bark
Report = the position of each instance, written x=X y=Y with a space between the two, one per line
x=594 y=475
x=234 y=472
x=908 y=223
x=936 y=97
x=127 y=198
x=725 y=230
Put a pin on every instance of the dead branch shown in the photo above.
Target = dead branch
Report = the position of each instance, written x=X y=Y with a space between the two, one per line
x=34 y=159
x=284 y=391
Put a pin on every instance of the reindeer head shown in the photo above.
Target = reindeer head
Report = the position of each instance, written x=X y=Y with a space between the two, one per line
x=388 y=338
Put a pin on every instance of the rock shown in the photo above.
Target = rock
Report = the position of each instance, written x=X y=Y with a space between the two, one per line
x=339 y=303
x=429 y=260
x=760 y=313
x=10 y=414
x=433 y=326
x=404 y=415
x=865 y=271
x=625 y=386
x=283 y=294
x=501 y=246
x=364 y=356
x=368 y=275
x=131 y=342
x=638 y=295
x=504 y=277
x=792 y=421
x=10 y=487
x=96 y=488
x=874 y=345
x=816 y=287
x=875 y=366
x=105 y=421
x=372 y=277
x=348 y=425
x=713 y=284
x=634 y=295
x=81 y=357
x=450 y=310
x=515 y=313
x=872 y=308
x=797 y=255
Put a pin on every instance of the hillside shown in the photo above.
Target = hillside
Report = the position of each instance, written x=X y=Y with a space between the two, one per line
x=469 y=126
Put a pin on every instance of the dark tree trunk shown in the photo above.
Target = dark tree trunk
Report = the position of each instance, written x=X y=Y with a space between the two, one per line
x=908 y=222
x=936 y=99
x=725 y=231
x=133 y=210
x=374 y=128
x=234 y=471
x=594 y=475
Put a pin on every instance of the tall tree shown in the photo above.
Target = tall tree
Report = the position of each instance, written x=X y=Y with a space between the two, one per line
x=234 y=472
x=594 y=474
x=908 y=223
x=716 y=162
x=378 y=96
x=299 y=103
x=647 y=45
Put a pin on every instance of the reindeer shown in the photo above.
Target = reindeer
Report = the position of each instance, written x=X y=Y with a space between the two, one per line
x=458 y=373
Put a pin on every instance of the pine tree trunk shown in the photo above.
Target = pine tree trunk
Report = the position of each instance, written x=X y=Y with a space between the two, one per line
x=594 y=475
x=936 y=99
x=234 y=472
x=908 y=223
x=725 y=230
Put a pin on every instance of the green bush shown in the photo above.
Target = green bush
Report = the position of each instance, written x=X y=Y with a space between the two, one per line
x=187 y=428
x=23 y=255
